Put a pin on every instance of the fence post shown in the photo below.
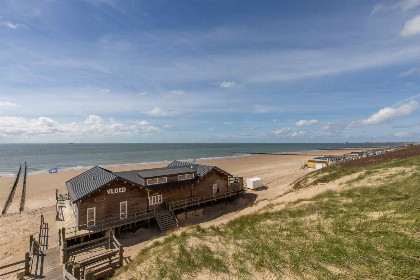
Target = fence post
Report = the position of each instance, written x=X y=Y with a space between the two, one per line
x=69 y=268
x=26 y=263
x=89 y=275
x=76 y=271
x=31 y=239
x=63 y=233
x=121 y=255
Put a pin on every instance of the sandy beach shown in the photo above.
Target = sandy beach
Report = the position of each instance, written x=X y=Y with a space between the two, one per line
x=277 y=172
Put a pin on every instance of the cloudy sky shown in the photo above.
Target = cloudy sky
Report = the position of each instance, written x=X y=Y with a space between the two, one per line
x=209 y=71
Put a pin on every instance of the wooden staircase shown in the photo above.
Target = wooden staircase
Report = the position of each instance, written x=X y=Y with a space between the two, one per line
x=166 y=220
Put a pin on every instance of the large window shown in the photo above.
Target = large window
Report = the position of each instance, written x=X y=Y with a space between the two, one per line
x=155 y=199
x=155 y=181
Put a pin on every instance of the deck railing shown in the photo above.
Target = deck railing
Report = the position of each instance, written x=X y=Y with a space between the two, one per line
x=85 y=229
x=195 y=201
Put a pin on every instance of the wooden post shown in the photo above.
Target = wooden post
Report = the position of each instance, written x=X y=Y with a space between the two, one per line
x=76 y=271
x=121 y=255
x=69 y=267
x=26 y=263
x=31 y=239
x=89 y=274
x=63 y=233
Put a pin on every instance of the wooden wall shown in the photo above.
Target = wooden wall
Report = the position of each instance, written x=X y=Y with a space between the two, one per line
x=108 y=205
x=205 y=186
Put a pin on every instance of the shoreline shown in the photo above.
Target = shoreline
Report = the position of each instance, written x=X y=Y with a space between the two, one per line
x=147 y=163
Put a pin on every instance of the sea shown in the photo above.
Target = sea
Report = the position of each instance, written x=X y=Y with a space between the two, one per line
x=42 y=157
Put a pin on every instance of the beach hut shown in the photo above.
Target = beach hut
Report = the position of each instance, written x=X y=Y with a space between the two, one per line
x=254 y=183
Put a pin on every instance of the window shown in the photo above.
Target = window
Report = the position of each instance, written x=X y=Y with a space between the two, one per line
x=162 y=180
x=155 y=181
x=91 y=216
x=185 y=177
x=155 y=199
x=189 y=176
x=123 y=210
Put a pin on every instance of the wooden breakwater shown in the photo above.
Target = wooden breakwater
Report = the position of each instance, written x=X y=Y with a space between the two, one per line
x=12 y=192
x=22 y=199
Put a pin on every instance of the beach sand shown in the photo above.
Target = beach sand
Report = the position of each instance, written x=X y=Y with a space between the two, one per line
x=276 y=171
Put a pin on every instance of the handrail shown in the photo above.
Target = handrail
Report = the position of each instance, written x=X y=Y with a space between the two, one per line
x=200 y=199
x=105 y=224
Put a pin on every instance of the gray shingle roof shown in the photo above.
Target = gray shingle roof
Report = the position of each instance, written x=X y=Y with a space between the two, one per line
x=88 y=182
x=202 y=170
x=165 y=171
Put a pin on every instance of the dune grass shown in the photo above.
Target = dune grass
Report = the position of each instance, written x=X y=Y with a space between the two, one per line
x=360 y=233
x=407 y=157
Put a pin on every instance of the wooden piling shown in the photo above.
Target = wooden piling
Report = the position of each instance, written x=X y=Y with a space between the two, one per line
x=26 y=263
x=76 y=271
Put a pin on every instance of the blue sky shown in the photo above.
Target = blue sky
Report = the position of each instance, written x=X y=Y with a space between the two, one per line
x=209 y=71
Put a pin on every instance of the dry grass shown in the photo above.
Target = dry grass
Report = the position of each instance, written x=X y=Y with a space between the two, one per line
x=359 y=233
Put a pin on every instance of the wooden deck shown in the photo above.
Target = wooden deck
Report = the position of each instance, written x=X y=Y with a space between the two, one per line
x=102 y=226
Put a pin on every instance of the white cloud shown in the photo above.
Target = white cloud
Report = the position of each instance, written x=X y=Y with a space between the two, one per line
x=274 y=120
x=227 y=84
x=105 y=90
x=158 y=112
x=386 y=114
x=168 y=126
x=288 y=132
x=177 y=92
x=93 y=126
x=412 y=71
x=411 y=27
x=11 y=25
x=402 y=134
x=402 y=4
x=6 y=104
x=306 y=122
x=227 y=123
x=211 y=129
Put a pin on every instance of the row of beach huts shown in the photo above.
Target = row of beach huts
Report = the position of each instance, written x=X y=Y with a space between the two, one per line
x=323 y=161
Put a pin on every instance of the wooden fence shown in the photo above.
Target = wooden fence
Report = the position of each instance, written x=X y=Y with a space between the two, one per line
x=90 y=266
x=12 y=192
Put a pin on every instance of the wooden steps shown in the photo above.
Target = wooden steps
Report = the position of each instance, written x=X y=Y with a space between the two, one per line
x=166 y=220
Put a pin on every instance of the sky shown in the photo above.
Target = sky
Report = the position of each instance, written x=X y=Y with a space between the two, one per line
x=209 y=71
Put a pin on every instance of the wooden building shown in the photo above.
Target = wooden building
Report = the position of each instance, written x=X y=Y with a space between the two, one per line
x=102 y=199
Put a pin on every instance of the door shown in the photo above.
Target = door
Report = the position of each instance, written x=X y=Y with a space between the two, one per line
x=123 y=210
x=215 y=189
x=91 y=216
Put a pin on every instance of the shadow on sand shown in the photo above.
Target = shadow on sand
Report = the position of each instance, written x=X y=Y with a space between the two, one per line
x=209 y=212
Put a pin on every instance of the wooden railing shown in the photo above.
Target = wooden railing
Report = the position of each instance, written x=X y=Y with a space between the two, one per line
x=184 y=203
x=85 y=229
x=30 y=256
x=78 y=269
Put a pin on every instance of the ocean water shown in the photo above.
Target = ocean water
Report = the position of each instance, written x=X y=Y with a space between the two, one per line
x=42 y=157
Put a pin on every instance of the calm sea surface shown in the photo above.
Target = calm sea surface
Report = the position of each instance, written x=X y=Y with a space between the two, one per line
x=42 y=157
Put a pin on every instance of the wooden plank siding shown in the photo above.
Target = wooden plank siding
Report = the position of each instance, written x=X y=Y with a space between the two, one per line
x=204 y=187
x=172 y=194
x=108 y=205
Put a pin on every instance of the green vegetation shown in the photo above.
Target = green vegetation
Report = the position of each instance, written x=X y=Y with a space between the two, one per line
x=407 y=157
x=359 y=233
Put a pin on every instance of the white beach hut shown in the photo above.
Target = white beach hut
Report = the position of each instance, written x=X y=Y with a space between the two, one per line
x=254 y=183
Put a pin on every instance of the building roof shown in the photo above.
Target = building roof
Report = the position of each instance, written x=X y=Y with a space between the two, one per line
x=88 y=182
x=201 y=169
x=93 y=179
x=165 y=171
